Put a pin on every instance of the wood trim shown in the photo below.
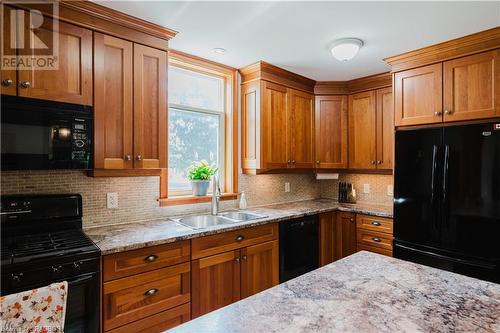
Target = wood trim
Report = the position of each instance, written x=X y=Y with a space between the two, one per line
x=474 y=43
x=191 y=199
x=357 y=171
x=123 y=172
x=371 y=82
x=109 y=21
x=264 y=71
x=201 y=63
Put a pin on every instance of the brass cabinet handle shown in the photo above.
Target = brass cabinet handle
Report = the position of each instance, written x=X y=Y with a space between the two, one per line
x=139 y=157
x=376 y=223
x=438 y=113
x=7 y=82
x=376 y=239
x=151 y=292
x=151 y=258
x=244 y=257
x=128 y=158
x=25 y=84
x=240 y=238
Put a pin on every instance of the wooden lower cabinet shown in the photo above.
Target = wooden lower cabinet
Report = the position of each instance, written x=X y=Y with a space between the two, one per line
x=159 y=322
x=337 y=236
x=347 y=224
x=216 y=282
x=259 y=268
x=374 y=234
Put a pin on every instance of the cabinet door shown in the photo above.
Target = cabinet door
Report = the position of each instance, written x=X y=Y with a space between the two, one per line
x=362 y=130
x=150 y=107
x=301 y=129
x=331 y=132
x=273 y=115
x=113 y=102
x=418 y=96
x=385 y=128
x=472 y=87
x=250 y=126
x=328 y=238
x=259 y=268
x=8 y=75
x=347 y=223
x=72 y=81
x=215 y=282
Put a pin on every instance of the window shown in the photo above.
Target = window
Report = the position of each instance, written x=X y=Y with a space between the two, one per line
x=200 y=123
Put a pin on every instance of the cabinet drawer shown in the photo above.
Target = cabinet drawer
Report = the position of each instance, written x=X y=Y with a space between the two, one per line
x=372 y=223
x=136 y=297
x=128 y=263
x=363 y=247
x=205 y=246
x=375 y=239
x=159 y=322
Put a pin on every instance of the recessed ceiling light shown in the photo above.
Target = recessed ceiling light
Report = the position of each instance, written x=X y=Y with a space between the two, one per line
x=219 y=50
x=345 y=49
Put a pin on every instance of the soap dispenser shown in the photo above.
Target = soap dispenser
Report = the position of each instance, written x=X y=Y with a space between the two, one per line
x=243 y=201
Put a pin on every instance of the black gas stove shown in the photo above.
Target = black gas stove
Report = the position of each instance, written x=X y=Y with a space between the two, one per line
x=43 y=243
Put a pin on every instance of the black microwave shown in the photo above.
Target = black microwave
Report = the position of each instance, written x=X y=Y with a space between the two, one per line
x=38 y=134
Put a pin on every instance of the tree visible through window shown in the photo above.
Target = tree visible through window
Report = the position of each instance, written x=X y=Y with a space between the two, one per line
x=195 y=124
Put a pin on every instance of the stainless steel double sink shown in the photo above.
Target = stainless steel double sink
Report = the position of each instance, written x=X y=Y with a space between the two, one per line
x=204 y=221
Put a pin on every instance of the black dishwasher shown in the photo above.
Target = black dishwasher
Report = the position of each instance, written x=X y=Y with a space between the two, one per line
x=299 y=247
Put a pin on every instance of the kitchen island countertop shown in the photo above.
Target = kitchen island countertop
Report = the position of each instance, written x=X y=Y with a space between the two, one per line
x=364 y=292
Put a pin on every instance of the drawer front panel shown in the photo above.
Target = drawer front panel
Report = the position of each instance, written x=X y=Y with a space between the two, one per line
x=128 y=263
x=378 y=224
x=375 y=239
x=363 y=247
x=136 y=297
x=159 y=322
x=231 y=240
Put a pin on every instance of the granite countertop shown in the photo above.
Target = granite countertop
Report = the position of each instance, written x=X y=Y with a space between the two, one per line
x=365 y=292
x=123 y=237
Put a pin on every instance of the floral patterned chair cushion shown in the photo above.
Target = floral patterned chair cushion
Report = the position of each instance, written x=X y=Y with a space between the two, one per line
x=40 y=310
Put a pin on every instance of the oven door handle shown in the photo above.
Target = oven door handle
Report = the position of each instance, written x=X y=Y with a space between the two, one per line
x=81 y=279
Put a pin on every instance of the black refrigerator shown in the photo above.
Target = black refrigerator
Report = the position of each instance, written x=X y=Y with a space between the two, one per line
x=447 y=198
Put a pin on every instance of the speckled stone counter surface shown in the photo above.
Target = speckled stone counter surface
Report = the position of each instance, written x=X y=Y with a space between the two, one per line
x=364 y=292
x=123 y=237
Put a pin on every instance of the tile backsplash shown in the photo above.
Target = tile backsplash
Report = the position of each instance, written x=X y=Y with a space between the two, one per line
x=137 y=196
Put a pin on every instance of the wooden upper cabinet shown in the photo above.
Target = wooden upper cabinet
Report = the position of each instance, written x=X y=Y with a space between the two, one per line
x=8 y=75
x=273 y=115
x=113 y=104
x=331 y=132
x=362 y=130
x=215 y=282
x=301 y=129
x=259 y=268
x=385 y=128
x=72 y=81
x=472 y=87
x=418 y=96
x=250 y=128
x=150 y=107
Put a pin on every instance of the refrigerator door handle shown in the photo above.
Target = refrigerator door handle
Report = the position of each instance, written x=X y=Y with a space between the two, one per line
x=433 y=174
x=445 y=176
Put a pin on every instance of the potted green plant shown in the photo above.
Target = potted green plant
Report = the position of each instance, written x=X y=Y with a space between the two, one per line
x=200 y=173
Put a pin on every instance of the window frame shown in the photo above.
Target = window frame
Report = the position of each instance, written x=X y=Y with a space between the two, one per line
x=229 y=132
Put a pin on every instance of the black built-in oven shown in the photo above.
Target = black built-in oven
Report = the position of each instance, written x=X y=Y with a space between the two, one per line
x=39 y=134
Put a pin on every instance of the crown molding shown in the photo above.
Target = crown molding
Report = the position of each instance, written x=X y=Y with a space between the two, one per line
x=371 y=82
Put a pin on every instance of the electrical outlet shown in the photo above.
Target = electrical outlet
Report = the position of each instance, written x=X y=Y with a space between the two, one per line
x=390 y=190
x=112 y=200
x=287 y=187
x=366 y=188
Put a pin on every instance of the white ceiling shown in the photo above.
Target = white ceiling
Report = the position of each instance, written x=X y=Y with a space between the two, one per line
x=295 y=35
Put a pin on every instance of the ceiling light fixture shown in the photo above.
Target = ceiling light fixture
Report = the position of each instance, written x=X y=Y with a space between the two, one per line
x=345 y=49
x=219 y=50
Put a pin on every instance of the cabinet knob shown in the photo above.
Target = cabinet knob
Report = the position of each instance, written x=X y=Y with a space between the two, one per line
x=372 y=162
x=7 y=82
x=379 y=162
x=244 y=257
x=151 y=258
x=237 y=259
x=438 y=113
x=25 y=84
x=376 y=223
x=351 y=219
x=128 y=158
x=293 y=161
x=448 y=112
x=317 y=162
x=139 y=157
x=240 y=238
x=151 y=292
x=376 y=239
x=289 y=161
